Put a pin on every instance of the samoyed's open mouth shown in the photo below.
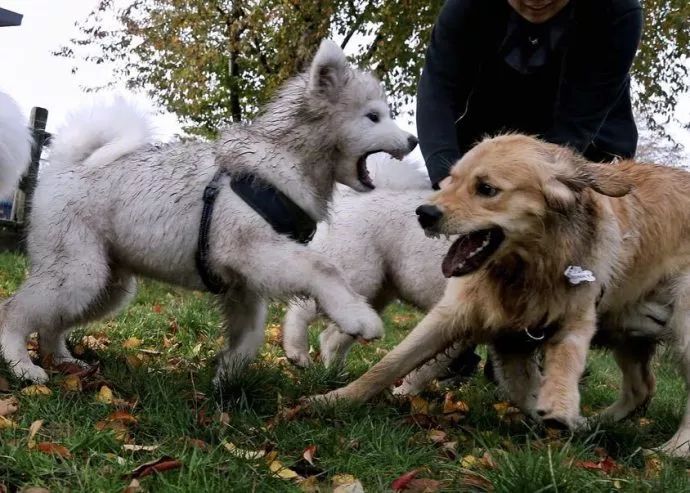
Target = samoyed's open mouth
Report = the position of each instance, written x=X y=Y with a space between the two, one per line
x=362 y=171
x=469 y=252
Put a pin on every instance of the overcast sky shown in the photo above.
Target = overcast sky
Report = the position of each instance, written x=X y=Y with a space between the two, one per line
x=34 y=77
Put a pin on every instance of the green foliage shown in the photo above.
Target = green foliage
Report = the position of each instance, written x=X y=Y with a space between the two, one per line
x=216 y=61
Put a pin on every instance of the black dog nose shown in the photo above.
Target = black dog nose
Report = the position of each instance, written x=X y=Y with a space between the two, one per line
x=428 y=215
x=412 y=142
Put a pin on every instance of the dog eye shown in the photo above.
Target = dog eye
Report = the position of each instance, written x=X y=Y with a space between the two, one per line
x=486 y=190
x=374 y=117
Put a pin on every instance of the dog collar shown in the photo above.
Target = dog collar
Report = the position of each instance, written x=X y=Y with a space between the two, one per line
x=276 y=208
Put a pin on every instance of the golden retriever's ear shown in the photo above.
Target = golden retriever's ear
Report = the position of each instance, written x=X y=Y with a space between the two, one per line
x=559 y=195
x=605 y=179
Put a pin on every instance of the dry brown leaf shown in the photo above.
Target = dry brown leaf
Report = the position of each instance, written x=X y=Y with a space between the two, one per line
x=488 y=460
x=474 y=481
x=9 y=406
x=452 y=406
x=50 y=448
x=120 y=430
x=645 y=421
x=157 y=466
x=95 y=342
x=309 y=454
x=133 y=487
x=422 y=485
x=652 y=466
x=34 y=390
x=157 y=308
x=33 y=430
x=122 y=417
x=131 y=343
x=418 y=405
x=4 y=384
x=105 y=395
x=195 y=442
x=436 y=436
x=450 y=449
x=274 y=334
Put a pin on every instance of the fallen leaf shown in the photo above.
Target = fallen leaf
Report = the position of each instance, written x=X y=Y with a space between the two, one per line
x=309 y=453
x=278 y=469
x=4 y=384
x=71 y=383
x=105 y=395
x=131 y=343
x=122 y=417
x=310 y=485
x=50 y=448
x=436 y=436
x=133 y=487
x=652 y=466
x=474 y=481
x=130 y=447
x=157 y=309
x=346 y=483
x=9 y=406
x=7 y=424
x=488 y=461
x=469 y=461
x=33 y=429
x=157 y=466
x=605 y=464
x=418 y=405
x=451 y=406
x=274 y=334
x=401 y=482
x=224 y=419
x=645 y=421
x=242 y=453
x=195 y=442
x=95 y=342
x=450 y=449
x=120 y=430
x=34 y=390
x=421 y=485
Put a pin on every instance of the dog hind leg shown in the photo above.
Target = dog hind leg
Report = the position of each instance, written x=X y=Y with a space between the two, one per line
x=57 y=294
x=519 y=377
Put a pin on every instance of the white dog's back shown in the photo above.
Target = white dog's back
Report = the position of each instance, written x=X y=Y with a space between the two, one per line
x=15 y=144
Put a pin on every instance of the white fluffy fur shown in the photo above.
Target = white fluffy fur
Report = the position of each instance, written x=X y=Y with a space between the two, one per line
x=15 y=144
x=111 y=208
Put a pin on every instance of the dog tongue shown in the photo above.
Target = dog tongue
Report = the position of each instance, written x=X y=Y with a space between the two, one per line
x=466 y=254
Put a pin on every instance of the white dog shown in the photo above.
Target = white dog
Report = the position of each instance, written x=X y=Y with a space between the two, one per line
x=15 y=144
x=110 y=207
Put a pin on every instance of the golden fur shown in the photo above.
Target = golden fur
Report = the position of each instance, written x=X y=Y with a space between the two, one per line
x=628 y=223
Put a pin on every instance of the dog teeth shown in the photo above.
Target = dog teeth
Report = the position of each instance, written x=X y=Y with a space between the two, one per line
x=481 y=247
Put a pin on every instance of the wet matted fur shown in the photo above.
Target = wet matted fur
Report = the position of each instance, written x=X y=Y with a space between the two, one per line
x=110 y=206
x=626 y=222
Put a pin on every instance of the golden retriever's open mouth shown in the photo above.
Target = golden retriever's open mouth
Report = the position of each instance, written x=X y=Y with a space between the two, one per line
x=469 y=252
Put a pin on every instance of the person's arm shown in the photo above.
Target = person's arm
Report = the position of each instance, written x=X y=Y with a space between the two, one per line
x=594 y=82
x=444 y=87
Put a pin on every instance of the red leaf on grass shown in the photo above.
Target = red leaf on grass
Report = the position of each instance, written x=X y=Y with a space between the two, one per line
x=157 y=466
x=401 y=482
x=606 y=464
x=309 y=453
x=53 y=449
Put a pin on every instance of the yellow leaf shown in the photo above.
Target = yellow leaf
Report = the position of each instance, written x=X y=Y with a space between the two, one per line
x=131 y=343
x=281 y=471
x=343 y=479
x=242 y=453
x=451 y=406
x=105 y=395
x=6 y=423
x=652 y=466
x=469 y=461
x=71 y=383
x=34 y=390
x=436 y=436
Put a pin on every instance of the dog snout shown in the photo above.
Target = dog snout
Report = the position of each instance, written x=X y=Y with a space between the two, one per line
x=412 y=142
x=428 y=215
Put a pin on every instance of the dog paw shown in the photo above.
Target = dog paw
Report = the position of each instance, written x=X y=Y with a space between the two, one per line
x=298 y=358
x=30 y=372
x=361 y=322
x=560 y=415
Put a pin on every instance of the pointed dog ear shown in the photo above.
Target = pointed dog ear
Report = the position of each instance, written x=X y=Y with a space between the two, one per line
x=328 y=70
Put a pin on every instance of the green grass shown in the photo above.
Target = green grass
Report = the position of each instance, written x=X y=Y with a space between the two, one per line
x=375 y=442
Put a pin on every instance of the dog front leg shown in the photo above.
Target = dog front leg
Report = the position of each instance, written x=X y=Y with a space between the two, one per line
x=565 y=356
x=433 y=335
x=518 y=375
x=418 y=379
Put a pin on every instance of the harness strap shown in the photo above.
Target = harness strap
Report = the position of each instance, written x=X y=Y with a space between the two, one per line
x=212 y=282
x=276 y=208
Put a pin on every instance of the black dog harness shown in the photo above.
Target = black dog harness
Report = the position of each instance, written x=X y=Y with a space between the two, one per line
x=276 y=208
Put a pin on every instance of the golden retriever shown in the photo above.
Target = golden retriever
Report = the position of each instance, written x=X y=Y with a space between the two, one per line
x=548 y=245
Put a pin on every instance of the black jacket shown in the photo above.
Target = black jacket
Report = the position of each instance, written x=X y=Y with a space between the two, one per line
x=579 y=96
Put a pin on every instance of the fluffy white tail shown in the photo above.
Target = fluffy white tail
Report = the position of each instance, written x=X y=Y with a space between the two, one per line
x=100 y=134
x=389 y=174
x=15 y=144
